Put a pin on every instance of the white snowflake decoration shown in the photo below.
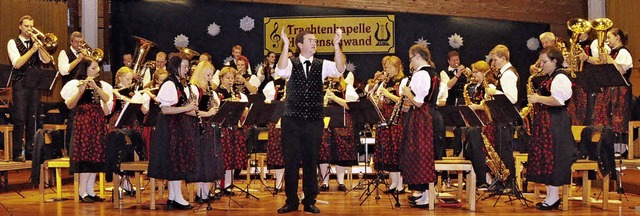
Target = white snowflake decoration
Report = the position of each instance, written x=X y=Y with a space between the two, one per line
x=258 y=66
x=455 y=41
x=533 y=44
x=422 y=41
x=213 y=29
x=351 y=67
x=227 y=60
x=181 y=41
x=247 y=23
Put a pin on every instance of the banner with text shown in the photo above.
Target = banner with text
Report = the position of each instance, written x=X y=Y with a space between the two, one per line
x=361 y=34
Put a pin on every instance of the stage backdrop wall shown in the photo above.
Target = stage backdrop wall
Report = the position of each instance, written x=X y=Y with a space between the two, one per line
x=163 y=21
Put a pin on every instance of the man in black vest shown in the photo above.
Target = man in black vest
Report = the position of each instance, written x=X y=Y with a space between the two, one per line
x=302 y=123
x=26 y=100
x=455 y=79
x=68 y=59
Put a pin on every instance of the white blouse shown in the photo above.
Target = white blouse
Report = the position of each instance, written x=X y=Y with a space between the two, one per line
x=420 y=84
x=561 y=88
x=168 y=95
x=71 y=88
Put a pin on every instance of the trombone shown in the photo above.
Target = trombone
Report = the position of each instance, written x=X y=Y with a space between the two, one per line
x=46 y=42
x=96 y=53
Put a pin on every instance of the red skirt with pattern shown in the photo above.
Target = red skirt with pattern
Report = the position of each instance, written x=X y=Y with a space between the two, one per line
x=339 y=146
x=417 y=158
x=388 y=139
x=174 y=150
x=90 y=128
x=612 y=108
x=275 y=156
x=234 y=148
x=577 y=106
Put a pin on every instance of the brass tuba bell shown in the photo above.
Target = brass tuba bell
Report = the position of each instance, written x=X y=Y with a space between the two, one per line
x=601 y=25
x=142 y=50
x=578 y=26
x=188 y=53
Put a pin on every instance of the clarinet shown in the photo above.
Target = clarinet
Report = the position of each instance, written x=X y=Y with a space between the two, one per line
x=201 y=126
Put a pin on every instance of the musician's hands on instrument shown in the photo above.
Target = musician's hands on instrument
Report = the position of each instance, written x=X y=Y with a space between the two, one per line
x=583 y=56
x=330 y=95
x=192 y=106
x=383 y=91
x=406 y=90
x=533 y=98
x=91 y=83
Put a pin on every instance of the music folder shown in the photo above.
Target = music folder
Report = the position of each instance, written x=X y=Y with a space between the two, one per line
x=452 y=116
x=150 y=118
x=470 y=117
x=229 y=113
x=40 y=78
x=502 y=111
x=260 y=113
x=363 y=112
x=336 y=116
x=594 y=77
x=128 y=114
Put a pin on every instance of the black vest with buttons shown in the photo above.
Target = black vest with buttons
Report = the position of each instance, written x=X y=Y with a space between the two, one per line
x=72 y=73
x=34 y=61
x=457 y=89
x=304 y=94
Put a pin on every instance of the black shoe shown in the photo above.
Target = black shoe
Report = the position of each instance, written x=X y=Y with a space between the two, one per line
x=390 y=190
x=341 y=187
x=277 y=190
x=403 y=191
x=176 y=205
x=544 y=206
x=424 y=206
x=324 y=187
x=199 y=200
x=18 y=159
x=215 y=197
x=414 y=198
x=86 y=199
x=129 y=192
x=287 y=208
x=96 y=198
x=311 y=209
x=169 y=203
x=227 y=192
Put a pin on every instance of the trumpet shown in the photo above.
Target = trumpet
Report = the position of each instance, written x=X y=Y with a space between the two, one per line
x=96 y=53
x=46 y=42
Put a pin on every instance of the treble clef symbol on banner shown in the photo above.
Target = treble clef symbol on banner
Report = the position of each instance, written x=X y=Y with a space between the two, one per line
x=274 y=36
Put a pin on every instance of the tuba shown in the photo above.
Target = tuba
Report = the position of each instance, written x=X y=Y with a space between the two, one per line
x=96 y=53
x=141 y=52
x=188 y=53
x=578 y=26
x=601 y=25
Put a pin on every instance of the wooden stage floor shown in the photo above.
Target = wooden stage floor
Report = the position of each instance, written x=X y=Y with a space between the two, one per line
x=338 y=204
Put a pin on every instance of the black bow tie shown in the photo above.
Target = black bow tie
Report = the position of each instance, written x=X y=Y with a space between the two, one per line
x=28 y=44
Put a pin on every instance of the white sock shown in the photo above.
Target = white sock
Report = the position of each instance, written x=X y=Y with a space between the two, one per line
x=279 y=176
x=82 y=184
x=417 y=193
x=126 y=183
x=204 y=188
x=552 y=195
x=172 y=196
x=90 y=183
x=400 y=185
x=340 y=170
x=324 y=173
x=393 y=176
x=227 y=178
x=424 y=199
x=488 y=178
x=177 y=192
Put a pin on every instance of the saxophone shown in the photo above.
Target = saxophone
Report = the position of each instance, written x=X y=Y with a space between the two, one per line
x=495 y=164
x=465 y=94
x=527 y=113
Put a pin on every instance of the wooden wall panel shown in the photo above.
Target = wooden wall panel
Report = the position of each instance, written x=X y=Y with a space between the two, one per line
x=624 y=15
x=49 y=16
x=553 y=12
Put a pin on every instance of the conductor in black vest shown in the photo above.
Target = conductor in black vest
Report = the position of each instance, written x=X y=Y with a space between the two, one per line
x=26 y=100
x=302 y=120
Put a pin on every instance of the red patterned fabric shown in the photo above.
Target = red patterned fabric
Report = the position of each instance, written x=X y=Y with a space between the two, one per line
x=275 y=156
x=577 y=106
x=541 y=155
x=612 y=108
x=389 y=138
x=147 y=132
x=182 y=153
x=90 y=129
x=324 y=155
x=417 y=159
x=234 y=148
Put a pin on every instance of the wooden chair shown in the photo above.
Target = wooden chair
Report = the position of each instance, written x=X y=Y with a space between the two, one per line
x=456 y=164
x=137 y=167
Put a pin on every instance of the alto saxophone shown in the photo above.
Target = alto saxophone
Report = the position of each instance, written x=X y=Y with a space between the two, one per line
x=495 y=164
x=527 y=113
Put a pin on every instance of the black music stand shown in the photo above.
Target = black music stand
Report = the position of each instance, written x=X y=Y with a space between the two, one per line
x=128 y=115
x=504 y=113
x=229 y=116
x=259 y=114
x=40 y=78
x=595 y=77
x=470 y=117
x=363 y=112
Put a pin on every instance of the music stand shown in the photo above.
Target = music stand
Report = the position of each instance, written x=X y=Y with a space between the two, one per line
x=470 y=117
x=594 y=77
x=229 y=116
x=363 y=112
x=259 y=114
x=150 y=119
x=40 y=78
x=502 y=112
x=128 y=115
